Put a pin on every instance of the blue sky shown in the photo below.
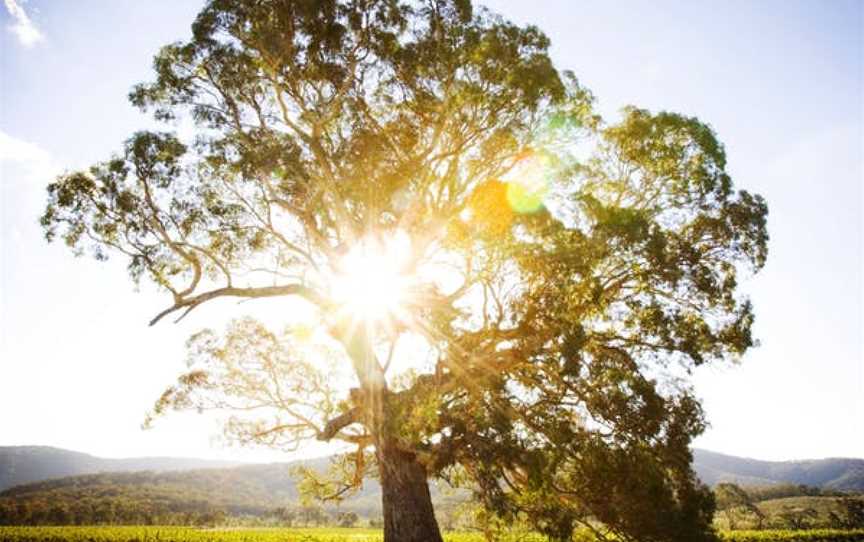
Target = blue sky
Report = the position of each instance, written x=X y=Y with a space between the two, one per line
x=780 y=82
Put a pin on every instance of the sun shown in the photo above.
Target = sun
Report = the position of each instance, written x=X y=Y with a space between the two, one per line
x=371 y=282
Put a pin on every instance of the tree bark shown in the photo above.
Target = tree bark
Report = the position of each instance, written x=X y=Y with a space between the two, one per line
x=408 y=512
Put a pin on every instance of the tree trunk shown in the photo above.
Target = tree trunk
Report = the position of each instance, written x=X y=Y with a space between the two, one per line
x=408 y=512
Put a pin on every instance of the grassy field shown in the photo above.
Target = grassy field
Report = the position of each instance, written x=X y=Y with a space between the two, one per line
x=822 y=508
x=190 y=534
x=822 y=505
x=815 y=535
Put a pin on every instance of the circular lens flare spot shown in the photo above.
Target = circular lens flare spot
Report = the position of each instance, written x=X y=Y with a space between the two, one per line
x=528 y=183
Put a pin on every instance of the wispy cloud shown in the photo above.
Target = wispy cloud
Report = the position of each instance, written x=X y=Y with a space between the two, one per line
x=25 y=170
x=22 y=26
x=18 y=151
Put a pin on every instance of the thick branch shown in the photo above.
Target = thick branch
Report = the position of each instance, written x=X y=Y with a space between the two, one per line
x=265 y=291
x=338 y=423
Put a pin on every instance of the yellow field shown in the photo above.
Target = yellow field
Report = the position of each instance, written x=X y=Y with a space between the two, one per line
x=191 y=534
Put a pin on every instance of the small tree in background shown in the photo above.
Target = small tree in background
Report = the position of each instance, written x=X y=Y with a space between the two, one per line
x=797 y=517
x=348 y=519
x=850 y=513
x=424 y=178
x=736 y=504
x=285 y=516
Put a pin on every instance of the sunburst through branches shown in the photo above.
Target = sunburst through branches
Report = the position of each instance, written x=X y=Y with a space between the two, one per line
x=372 y=282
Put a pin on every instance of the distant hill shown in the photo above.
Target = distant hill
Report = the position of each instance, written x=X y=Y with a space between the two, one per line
x=253 y=489
x=174 y=485
x=136 y=497
x=23 y=464
x=842 y=474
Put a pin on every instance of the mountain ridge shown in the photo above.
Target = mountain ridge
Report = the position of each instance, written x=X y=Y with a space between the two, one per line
x=177 y=490
x=22 y=465
x=839 y=473
x=33 y=463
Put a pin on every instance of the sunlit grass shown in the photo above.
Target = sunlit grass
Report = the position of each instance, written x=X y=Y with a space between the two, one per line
x=191 y=534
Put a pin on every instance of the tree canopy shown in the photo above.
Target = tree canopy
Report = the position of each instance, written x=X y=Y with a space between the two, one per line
x=421 y=172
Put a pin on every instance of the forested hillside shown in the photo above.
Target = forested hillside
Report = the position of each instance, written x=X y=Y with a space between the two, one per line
x=23 y=464
x=173 y=490
x=843 y=474
x=148 y=497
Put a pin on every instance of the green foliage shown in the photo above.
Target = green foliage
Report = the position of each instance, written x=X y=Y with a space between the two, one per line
x=815 y=512
x=850 y=515
x=131 y=498
x=591 y=259
x=786 y=506
x=780 y=491
x=816 y=535
x=736 y=504
x=265 y=493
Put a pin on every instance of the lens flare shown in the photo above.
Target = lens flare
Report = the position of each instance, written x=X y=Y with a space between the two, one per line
x=371 y=283
x=528 y=183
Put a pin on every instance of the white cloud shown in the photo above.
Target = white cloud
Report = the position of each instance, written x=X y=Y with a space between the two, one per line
x=13 y=149
x=23 y=27
x=25 y=170
x=21 y=160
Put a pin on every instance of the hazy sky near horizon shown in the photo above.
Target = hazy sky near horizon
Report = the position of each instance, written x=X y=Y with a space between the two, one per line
x=779 y=81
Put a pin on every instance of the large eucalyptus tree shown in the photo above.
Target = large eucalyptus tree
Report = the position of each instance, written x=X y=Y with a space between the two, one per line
x=418 y=171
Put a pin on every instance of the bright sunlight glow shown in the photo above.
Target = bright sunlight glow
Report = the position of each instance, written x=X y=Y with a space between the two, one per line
x=371 y=283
